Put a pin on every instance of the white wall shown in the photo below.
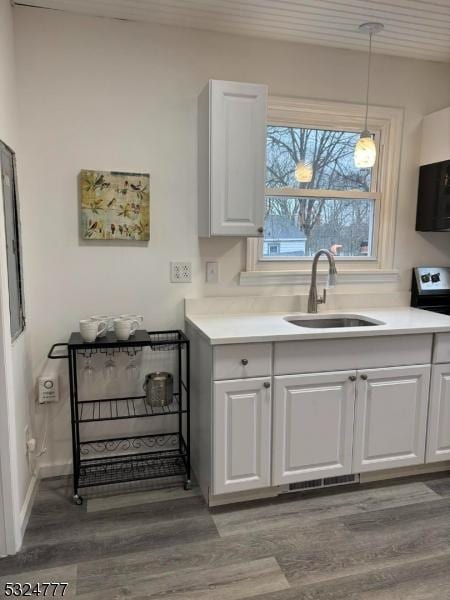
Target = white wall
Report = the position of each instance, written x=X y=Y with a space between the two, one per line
x=15 y=367
x=105 y=94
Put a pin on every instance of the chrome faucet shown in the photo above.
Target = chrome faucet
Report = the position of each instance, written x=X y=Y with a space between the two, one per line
x=314 y=299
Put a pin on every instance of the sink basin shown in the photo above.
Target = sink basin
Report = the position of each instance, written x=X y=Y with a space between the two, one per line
x=333 y=321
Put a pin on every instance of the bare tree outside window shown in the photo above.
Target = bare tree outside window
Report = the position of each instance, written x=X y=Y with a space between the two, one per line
x=302 y=224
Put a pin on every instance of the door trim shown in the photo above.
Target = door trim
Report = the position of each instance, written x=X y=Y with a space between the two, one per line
x=8 y=515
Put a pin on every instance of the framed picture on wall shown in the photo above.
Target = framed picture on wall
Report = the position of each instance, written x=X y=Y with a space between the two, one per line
x=115 y=205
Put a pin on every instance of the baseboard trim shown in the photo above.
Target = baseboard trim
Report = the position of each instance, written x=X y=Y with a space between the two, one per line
x=25 y=511
x=55 y=470
x=404 y=472
x=221 y=499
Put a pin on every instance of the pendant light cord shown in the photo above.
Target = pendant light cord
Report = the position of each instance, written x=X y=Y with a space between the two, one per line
x=368 y=81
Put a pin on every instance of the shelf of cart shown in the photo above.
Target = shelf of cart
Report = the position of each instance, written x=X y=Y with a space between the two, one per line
x=166 y=340
x=153 y=465
x=133 y=407
x=124 y=446
x=130 y=458
x=140 y=338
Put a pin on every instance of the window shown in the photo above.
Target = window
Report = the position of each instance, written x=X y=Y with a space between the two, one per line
x=303 y=223
x=12 y=234
x=273 y=249
x=317 y=198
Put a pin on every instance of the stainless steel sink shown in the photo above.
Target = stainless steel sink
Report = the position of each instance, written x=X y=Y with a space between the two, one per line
x=333 y=321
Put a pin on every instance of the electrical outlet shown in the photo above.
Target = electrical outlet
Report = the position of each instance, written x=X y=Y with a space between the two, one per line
x=180 y=272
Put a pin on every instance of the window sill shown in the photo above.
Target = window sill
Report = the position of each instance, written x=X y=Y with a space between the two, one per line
x=257 y=278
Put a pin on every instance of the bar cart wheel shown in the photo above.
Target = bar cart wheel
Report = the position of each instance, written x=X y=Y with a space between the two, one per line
x=78 y=500
x=188 y=485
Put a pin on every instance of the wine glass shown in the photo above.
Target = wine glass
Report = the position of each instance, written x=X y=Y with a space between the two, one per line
x=109 y=368
x=131 y=368
x=88 y=369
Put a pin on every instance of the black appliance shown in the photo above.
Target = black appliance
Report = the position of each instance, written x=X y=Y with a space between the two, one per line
x=433 y=201
x=430 y=289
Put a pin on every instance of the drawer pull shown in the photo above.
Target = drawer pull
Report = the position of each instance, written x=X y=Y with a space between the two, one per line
x=244 y=361
x=266 y=384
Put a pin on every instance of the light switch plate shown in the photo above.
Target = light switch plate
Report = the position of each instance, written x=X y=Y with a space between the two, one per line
x=212 y=272
x=180 y=272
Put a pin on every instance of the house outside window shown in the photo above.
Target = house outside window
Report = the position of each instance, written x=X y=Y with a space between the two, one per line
x=348 y=210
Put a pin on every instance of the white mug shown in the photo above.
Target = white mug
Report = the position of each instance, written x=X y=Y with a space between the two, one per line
x=138 y=318
x=90 y=329
x=108 y=319
x=123 y=328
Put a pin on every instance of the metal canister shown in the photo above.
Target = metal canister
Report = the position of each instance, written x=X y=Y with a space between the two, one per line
x=158 y=388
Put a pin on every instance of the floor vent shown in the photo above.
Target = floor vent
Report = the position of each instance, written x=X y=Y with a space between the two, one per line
x=322 y=483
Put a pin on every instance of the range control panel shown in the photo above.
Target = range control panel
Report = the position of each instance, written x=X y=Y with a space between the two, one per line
x=433 y=279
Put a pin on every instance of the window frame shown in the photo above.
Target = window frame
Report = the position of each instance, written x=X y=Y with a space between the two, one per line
x=387 y=125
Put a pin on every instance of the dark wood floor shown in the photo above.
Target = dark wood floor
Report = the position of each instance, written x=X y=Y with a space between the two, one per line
x=368 y=542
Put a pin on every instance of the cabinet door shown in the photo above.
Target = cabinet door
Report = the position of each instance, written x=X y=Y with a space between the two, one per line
x=242 y=428
x=391 y=417
x=313 y=426
x=238 y=113
x=438 y=439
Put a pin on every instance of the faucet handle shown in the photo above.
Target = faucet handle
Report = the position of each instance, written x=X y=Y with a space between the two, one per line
x=322 y=299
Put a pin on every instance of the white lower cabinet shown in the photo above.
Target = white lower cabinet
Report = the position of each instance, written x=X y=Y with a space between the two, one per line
x=390 y=417
x=438 y=439
x=313 y=426
x=242 y=434
x=324 y=424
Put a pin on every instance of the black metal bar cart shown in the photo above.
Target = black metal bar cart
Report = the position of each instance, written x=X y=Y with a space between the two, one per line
x=128 y=457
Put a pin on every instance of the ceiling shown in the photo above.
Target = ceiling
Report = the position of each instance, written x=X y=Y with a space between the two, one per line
x=413 y=28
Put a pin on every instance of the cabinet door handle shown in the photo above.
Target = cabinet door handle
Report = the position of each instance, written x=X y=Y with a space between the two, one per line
x=363 y=376
x=260 y=229
x=266 y=384
x=244 y=361
x=352 y=377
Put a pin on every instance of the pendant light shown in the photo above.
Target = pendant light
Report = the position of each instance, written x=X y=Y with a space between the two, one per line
x=365 y=149
x=303 y=172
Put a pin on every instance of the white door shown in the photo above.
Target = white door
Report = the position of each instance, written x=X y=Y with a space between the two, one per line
x=313 y=426
x=438 y=438
x=242 y=428
x=391 y=417
x=238 y=114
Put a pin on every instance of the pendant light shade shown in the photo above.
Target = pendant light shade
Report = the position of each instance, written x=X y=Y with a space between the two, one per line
x=303 y=172
x=365 y=149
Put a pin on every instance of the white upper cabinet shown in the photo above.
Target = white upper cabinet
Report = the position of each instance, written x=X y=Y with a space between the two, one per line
x=313 y=426
x=438 y=441
x=391 y=417
x=232 y=158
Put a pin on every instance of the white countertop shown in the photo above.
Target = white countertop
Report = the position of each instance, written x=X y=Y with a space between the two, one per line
x=241 y=328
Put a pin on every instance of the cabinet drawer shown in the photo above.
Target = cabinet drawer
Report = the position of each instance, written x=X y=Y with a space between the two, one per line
x=441 y=352
x=315 y=356
x=239 y=361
